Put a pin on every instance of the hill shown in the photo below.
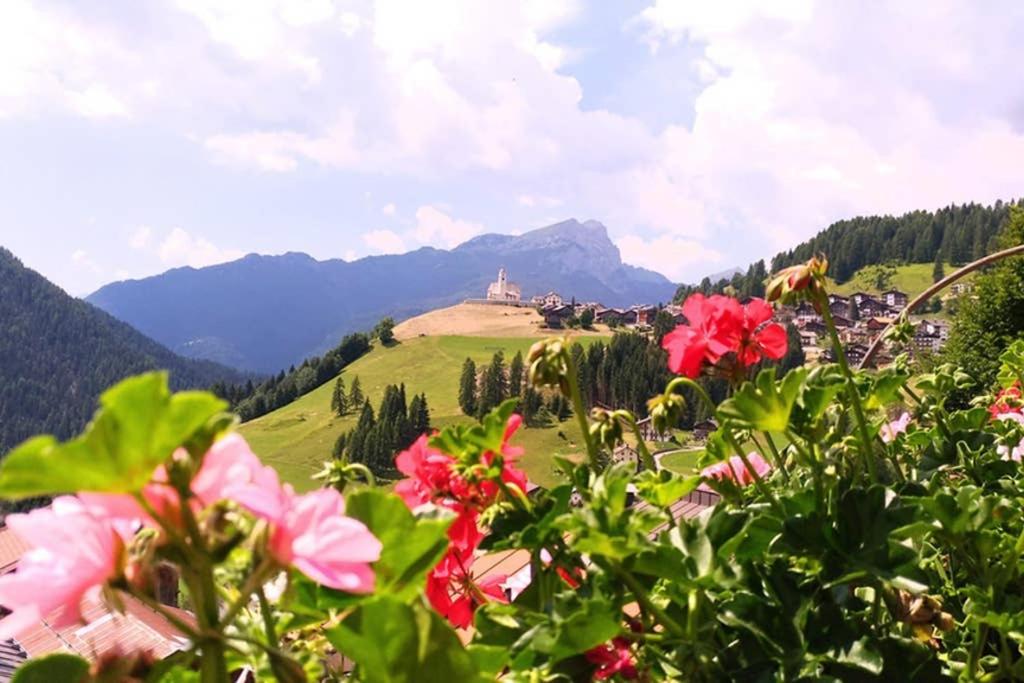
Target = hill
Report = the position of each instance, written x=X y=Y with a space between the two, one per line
x=57 y=354
x=299 y=437
x=479 y=320
x=267 y=312
x=955 y=234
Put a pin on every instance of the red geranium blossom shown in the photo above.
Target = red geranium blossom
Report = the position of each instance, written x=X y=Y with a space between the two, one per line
x=768 y=341
x=714 y=329
x=453 y=590
x=615 y=657
x=1009 y=400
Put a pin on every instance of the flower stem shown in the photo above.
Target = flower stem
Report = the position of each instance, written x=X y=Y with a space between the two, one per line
x=646 y=459
x=851 y=387
x=581 y=415
x=643 y=599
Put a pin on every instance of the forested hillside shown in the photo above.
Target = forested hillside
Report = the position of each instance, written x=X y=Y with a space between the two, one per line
x=955 y=234
x=57 y=354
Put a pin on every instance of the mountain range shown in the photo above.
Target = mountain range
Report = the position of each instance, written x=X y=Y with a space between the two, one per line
x=264 y=313
x=58 y=353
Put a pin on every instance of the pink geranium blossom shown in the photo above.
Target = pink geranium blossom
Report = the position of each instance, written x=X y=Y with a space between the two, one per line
x=736 y=471
x=74 y=552
x=228 y=464
x=890 y=431
x=311 y=532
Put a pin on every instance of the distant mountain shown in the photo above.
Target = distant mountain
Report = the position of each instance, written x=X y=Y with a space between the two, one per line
x=265 y=313
x=57 y=354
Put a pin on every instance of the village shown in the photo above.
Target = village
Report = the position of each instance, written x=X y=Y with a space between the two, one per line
x=859 y=317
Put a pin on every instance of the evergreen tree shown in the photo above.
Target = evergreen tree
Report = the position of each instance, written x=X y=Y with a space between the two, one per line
x=339 y=401
x=495 y=385
x=419 y=416
x=531 y=405
x=467 y=388
x=989 y=321
x=355 y=393
x=385 y=331
x=794 y=357
x=938 y=270
x=587 y=318
x=516 y=371
x=664 y=323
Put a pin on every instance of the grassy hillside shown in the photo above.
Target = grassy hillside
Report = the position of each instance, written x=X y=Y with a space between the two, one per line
x=481 y=320
x=297 y=438
x=912 y=278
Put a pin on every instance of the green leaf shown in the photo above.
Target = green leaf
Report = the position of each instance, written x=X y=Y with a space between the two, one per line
x=862 y=654
x=765 y=404
x=595 y=623
x=663 y=488
x=412 y=545
x=392 y=642
x=138 y=426
x=58 y=667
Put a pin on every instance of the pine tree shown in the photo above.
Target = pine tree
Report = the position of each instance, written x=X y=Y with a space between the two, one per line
x=467 y=388
x=664 y=323
x=516 y=370
x=355 y=393
x=339 y=402
x=495 y=385
x=938 y=270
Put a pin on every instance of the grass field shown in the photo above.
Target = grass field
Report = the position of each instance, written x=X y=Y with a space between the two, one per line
x=683 y=462
x=911 y=278
x=297 y=438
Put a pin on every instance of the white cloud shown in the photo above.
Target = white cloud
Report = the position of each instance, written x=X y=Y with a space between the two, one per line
x=437 y=229
x=532 y=200
x=674 y=257
x=180 y=248
x=384 y=242
x=82 y=258
x=282 y=151
x=97 y=102
x=141 y=238
x=388 y=210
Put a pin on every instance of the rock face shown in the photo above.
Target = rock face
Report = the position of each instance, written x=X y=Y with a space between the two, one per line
x=265 y=313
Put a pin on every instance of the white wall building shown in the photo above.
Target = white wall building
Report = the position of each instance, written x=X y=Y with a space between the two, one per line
x=503 y=290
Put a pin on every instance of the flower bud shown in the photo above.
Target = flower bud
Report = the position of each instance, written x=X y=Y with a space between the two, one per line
x=606 y=428
x=666 y=410
x=789 y=283
x=549 y=366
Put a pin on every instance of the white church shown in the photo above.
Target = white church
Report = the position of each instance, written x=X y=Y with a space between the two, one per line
x=503 y=290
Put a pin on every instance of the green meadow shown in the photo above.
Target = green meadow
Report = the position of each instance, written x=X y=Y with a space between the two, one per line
x=298 y=438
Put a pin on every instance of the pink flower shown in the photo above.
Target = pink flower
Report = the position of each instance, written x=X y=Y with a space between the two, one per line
x=311 y=532
x=734 y=470
x=713 y=330
x=1015 y=454
x=890 y=431
x=615 y=657
x=228 y=464
x=74 y=552
x=428 y=473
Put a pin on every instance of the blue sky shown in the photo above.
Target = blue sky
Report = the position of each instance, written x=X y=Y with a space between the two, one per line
x=138 y=137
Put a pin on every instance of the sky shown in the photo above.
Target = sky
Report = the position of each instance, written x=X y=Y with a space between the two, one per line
x=141 y=136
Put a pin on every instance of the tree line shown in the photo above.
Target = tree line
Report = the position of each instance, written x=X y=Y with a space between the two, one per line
x=623 y=373
x=377 y=437
x=955 y=234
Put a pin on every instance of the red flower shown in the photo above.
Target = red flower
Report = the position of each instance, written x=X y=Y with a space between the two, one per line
x=615 y=657
x=1008 y=400
x=714 y=329
x=769 y=341
x=434 y=477
x=451 y=587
